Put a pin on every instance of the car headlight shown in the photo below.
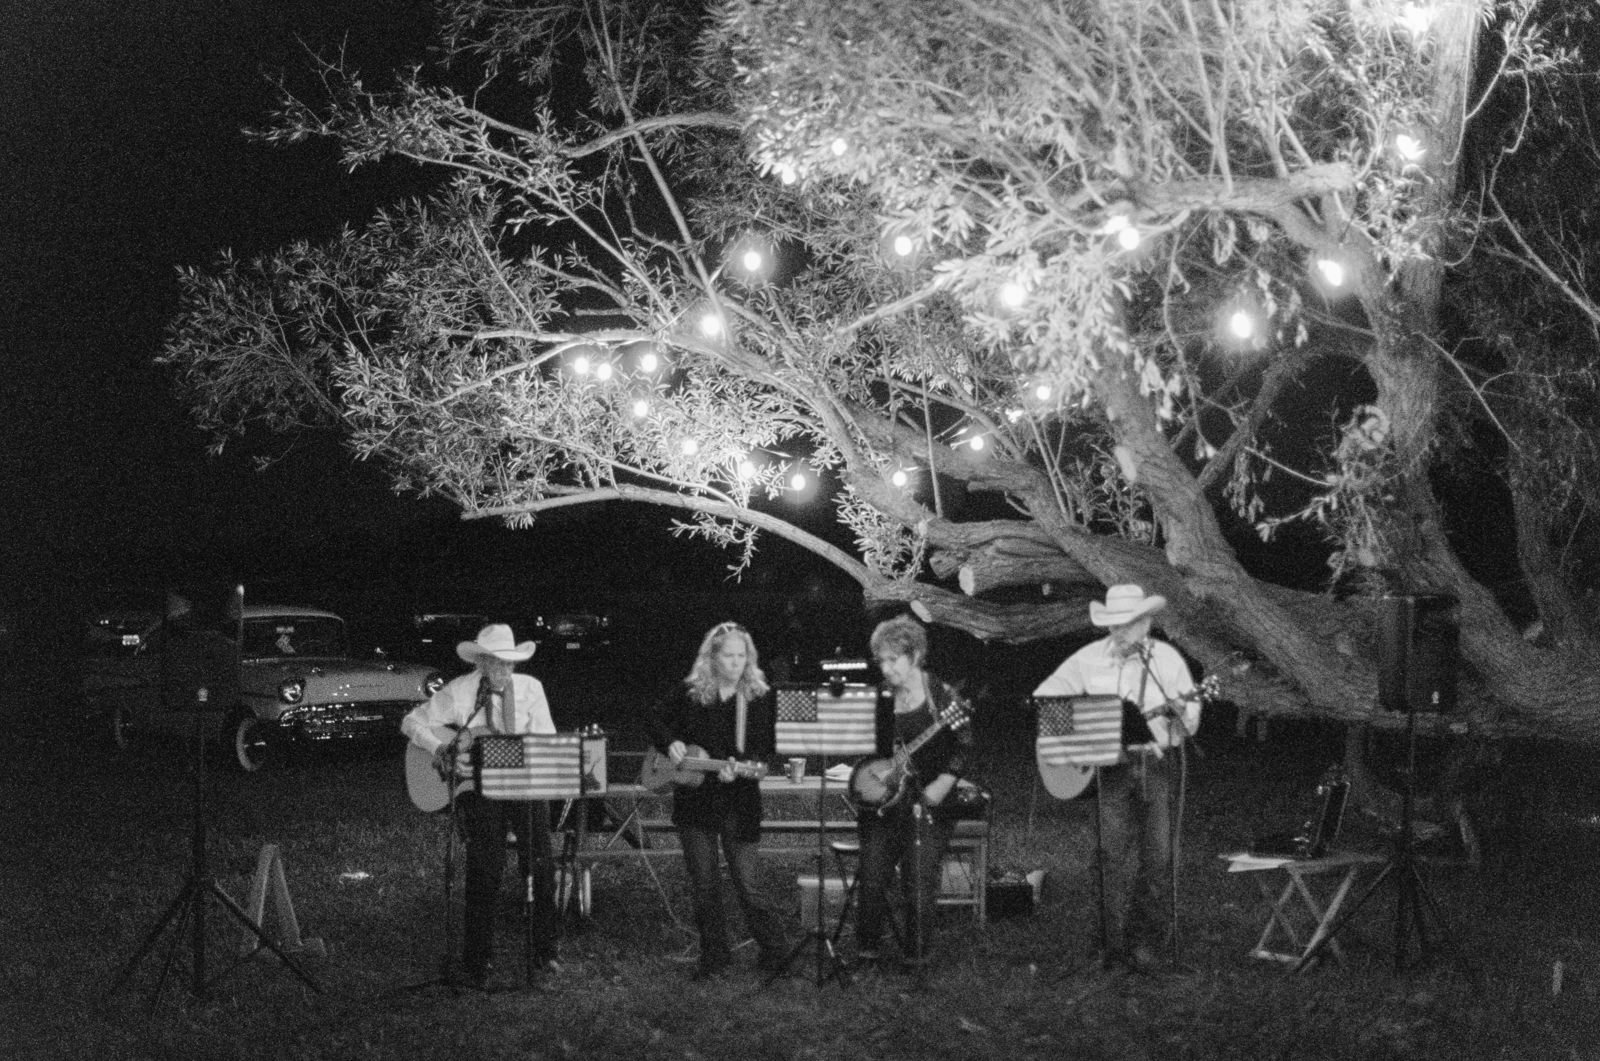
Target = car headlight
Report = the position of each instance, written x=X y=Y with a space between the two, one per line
x=292 y=691
x=433 y=683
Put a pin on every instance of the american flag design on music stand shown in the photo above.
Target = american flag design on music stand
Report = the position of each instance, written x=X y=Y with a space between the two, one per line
x=813 y=721
x=528 y=766
x=1079 y=730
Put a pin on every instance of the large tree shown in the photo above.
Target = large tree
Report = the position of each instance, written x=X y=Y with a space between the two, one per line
x=1037 y=286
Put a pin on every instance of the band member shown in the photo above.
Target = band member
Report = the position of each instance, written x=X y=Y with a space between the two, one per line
x=726 y=709
x=1135 y=854
x=908 y=702
x=492 y=698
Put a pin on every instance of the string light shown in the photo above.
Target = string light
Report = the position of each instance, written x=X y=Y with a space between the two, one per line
x=903 y=246
x=977 y=443
x=602 y=371
x=747 y=468
x=690 y=447
x=648 y=361
x=580 y=365
x=1417 y=19
x=899 y=478
x=1241 y=325
x=641 y=408
x=1042 y=392
x=838 y=147
x=752 y=261
x=798 y=481
x=787 y=174
x=1410 y=147
x=1332 y=271
x=1012 y=294
x=711 y=324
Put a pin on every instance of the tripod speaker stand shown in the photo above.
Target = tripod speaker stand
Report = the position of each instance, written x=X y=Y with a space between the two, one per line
x=188 y=909
x=1407 y=678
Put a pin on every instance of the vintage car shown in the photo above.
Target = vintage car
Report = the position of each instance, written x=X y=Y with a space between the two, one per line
x=558 y=633
x=277 y=676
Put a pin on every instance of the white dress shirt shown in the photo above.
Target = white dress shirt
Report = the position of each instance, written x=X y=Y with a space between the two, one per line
x=456 y=703
x=1150 y=678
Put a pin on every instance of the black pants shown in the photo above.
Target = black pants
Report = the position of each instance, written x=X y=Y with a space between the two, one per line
x=890 y=842
x=761 y=915
x=485 y=824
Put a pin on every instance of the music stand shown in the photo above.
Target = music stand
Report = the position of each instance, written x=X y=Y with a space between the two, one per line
x=188 y=909
x=1084 y=732
x=531 y=768
x=836 y=720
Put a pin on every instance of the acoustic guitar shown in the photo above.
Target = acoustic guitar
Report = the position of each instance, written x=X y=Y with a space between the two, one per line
x=1068 y=780
x=427 y=789
x=660 y=775
x=879 y=784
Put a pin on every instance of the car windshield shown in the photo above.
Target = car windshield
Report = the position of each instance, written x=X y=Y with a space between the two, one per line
x=290 y=636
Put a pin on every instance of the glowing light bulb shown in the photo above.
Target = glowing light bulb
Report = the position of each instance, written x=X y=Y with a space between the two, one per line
x=711 y=325
x=1012 y=294
x=797 y=481
x=899 y=478
x=838 y=147
x=747 y=468
x=1416 y=19
x=977 y=443
x=787 y=174
x=580 y=366
x=641 y=408
x=903 y=246
x=1332 y=271
x=1410 y=147
x=690 y=447
x=1128 y=238
x=752 y=261
x=602 y=371
x=1042 y=392
x=648 y=361
x=1241 y=324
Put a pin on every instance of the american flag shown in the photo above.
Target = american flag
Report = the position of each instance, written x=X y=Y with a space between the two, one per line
x=812 y=721
x=1079 y=730
x=527 y=766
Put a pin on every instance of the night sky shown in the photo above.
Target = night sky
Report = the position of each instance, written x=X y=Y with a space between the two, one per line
x=121 y=126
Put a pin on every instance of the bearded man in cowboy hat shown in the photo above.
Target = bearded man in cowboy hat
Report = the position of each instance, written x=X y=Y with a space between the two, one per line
x=493 y=698
x=1136 y=797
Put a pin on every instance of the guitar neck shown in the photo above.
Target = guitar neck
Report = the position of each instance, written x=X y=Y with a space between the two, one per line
x=712 y=766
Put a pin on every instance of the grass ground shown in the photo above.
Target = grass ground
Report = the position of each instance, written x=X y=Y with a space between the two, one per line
x=95 y=846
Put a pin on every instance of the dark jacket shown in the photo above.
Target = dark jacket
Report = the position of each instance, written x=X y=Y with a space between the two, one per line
x=945 y=753
x=711 y=726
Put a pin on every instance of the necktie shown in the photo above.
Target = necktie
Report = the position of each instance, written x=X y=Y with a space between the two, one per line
x=508 y=708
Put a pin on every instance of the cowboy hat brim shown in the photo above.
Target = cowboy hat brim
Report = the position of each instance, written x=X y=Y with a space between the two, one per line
x=1102 y=615
x=469 y=651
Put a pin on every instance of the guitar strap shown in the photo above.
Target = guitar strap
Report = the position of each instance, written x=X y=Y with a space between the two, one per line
x=740 y=713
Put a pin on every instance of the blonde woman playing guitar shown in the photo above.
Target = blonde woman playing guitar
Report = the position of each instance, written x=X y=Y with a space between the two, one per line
x=725 y=711
x=908 y=831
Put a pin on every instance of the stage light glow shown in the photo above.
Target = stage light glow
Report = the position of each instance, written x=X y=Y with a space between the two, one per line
x=1332 y=272
x=641 y=408
x=1013 y=294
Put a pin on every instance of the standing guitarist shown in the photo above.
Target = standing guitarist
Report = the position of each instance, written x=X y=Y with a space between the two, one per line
x=492 y=698
x=724 y=710
x=908 y=832
x=1137 y=798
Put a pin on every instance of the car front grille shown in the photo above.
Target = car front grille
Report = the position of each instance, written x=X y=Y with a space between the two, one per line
x=368 y=720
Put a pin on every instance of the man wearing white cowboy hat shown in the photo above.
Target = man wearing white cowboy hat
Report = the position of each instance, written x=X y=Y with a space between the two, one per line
x=1136 y=845
x=493 y=698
